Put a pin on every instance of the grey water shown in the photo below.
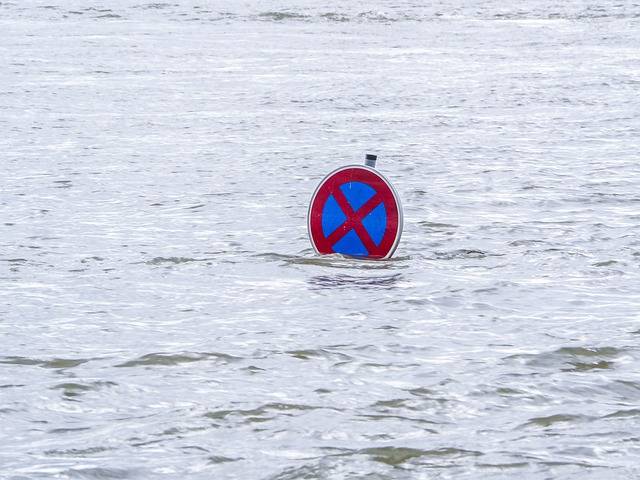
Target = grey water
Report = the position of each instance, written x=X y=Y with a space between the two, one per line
x=163 y=315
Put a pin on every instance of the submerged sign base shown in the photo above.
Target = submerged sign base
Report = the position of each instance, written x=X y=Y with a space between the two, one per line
x=355 y=211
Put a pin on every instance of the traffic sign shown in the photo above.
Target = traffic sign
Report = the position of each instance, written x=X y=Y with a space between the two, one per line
x=355 y=211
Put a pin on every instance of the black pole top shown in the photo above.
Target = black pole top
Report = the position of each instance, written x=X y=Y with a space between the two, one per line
x=370 y=160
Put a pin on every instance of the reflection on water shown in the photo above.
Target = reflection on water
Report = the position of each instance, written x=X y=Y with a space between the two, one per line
x=351 y=281
x=338 y=261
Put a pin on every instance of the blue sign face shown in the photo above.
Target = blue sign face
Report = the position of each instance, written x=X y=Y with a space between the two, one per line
x=355 y=212
x=357 y=194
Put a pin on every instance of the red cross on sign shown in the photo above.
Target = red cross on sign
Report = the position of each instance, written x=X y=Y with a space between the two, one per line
x=355 y=211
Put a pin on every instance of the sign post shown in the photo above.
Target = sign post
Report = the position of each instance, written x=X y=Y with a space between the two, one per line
x=355 y=211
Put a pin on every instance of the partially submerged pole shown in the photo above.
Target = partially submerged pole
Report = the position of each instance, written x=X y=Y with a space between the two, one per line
x=370 y=160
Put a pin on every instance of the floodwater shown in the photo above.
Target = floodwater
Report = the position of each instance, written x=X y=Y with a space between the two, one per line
x=163 y=315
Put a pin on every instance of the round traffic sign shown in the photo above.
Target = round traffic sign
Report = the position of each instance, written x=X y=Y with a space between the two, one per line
x=355 y=211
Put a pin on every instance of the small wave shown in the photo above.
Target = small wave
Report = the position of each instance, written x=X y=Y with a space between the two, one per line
x=368 y=16
x=260 y=414
x=280 y=16
x=167 y=359
x=608 y=263
x=335 y=17
x=383 y=417
x=350 y=281
x=551 y=420
x=98 y=10
x=397 y=455
x=217 y=459
x=195 y=207
x=98 y=473
x=173 y=260
x=319 y=353
x=299 y=473
x=436 y=226
x=77 y=452
x=71 y=390
x=64 y=431
x=464 y=253
x=153 y=6
x=502 y=466
x=574 y=359
x=55 y=363
x=18 y=261
x=632 y=413
x=381 y=17
x=526 y=242
x=337 y=261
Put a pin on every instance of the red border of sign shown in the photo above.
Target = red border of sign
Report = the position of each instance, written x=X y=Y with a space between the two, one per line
x=368 y=175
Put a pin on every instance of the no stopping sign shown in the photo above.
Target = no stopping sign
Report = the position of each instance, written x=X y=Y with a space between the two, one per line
x=355 y=211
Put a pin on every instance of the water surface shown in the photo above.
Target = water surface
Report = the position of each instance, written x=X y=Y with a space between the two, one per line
x=162 y=314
